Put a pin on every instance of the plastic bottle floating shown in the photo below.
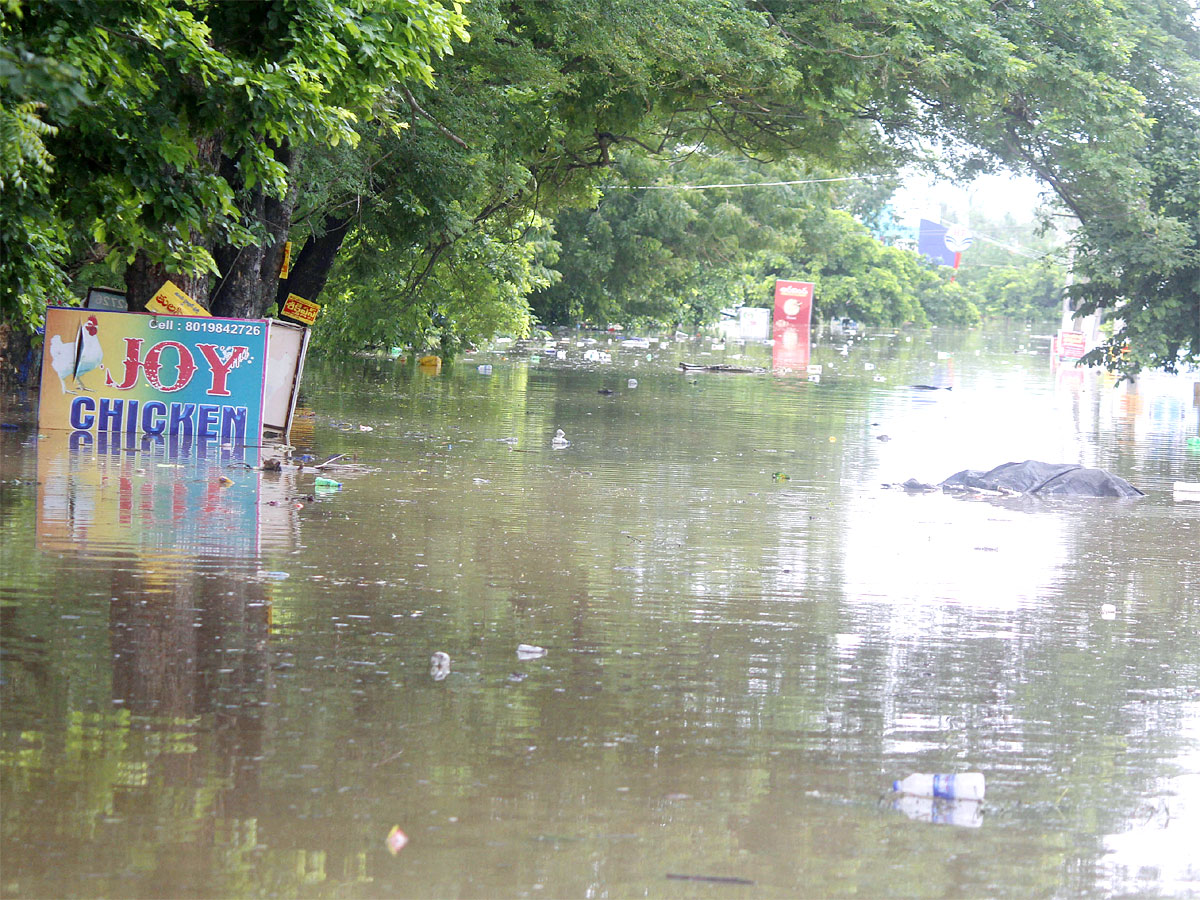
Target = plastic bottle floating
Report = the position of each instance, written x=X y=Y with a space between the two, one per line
x=963 y=786
x=559 y=441
x=439 y=665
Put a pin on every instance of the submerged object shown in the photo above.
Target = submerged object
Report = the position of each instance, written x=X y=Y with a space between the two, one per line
x=963 y=786
x=396 y=840
x=721 y=367
x=1043 y=479
x=1186 y=490
x=439 y=665
x=962 y=813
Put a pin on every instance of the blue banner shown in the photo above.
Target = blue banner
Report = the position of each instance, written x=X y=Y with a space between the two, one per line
x=931 y=242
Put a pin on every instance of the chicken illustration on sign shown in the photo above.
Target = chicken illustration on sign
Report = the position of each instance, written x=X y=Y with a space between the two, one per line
x=73 y=359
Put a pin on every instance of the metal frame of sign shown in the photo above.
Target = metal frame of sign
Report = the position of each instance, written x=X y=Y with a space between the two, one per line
x=285 y=367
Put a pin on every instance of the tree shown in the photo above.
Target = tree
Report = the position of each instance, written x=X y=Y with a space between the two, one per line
x=214 y=130
x=185 y=160
x=673 y=254
x=529 y=119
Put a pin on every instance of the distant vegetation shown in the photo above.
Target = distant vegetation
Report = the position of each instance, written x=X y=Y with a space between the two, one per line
x=672 y=254
x=448 y=172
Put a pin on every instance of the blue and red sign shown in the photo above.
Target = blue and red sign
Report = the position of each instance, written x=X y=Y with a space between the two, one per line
x=194 y=378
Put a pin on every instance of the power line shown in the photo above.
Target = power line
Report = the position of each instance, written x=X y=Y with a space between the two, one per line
x=747 y=184
x=755 y=184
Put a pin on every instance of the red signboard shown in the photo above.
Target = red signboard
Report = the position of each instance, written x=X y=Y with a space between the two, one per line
x=790 y=332
x=793 y=304
x=1071 y=344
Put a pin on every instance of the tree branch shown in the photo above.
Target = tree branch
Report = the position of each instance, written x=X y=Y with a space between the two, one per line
x=416 y=108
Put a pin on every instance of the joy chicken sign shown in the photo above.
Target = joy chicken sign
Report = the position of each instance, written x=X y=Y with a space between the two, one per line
x=192 y=376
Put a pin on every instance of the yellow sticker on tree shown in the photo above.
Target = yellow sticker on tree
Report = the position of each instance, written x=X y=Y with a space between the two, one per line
x=300 y=309
x=174 y=302
x=285 y=264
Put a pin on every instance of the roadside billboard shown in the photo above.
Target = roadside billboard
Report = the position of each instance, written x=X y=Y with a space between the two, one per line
x=791 y=329
x=191 y=377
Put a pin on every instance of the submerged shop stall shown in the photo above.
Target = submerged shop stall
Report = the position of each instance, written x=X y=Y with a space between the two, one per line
x=152 y=426
x=173 y=372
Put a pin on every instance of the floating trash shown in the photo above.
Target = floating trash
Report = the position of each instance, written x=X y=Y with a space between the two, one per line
x=559 y=441
x=960 y=786
x=225 y=482
x=781 y=476
x=632 y=383
x=326 y=484
x=396 y=840
x=439 y=666
x=1186 y=490
x=530 y=651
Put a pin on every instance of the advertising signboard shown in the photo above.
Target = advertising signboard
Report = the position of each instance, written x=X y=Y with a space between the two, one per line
x=790 y=332
x=191 y=377
x=1071 y=344
x=793 y=304
x=171 y=301
x=299 y=309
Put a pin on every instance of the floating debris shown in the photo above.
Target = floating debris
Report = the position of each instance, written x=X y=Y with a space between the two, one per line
x=530 y=651
x=439 y=666
x=722 y=368
x=711 y=879
x=396 y=840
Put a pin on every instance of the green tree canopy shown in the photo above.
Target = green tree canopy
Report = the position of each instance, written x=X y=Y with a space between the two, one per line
x=190 y=139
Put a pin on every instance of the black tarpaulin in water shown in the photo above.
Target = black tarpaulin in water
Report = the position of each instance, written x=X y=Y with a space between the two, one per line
x=1045 y=479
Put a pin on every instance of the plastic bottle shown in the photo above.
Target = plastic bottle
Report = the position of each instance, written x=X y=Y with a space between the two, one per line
x=962 y=786
x=328 y=483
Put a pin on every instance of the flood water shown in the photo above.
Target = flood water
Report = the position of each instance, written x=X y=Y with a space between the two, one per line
x=208 y=691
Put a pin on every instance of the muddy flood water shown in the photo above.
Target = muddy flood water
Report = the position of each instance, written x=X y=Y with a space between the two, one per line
x=736 y=637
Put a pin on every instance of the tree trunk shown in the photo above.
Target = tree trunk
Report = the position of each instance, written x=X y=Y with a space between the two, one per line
x=311 y=268
x=250 y=275
x=143 y=279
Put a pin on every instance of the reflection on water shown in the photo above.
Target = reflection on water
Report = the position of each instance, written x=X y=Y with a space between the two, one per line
x=209 y=690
